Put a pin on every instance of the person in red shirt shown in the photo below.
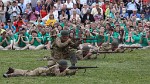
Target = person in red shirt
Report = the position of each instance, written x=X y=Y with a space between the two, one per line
x=18 y=23
x=43 y=11
x=104 y=6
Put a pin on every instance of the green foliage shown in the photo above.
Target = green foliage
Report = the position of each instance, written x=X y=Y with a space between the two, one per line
x=117 y=68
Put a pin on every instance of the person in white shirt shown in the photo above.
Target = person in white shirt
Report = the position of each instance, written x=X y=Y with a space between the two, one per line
x=131 y=6
x=55 y=13
x=75 y=16
x=69 y=4
x=84 y=9
x=58 y=6
x=94 y=10
x=14 y=11
x=76 y=9
x=83 y=2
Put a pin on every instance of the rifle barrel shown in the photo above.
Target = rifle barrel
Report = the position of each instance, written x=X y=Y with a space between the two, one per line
x=81 y=67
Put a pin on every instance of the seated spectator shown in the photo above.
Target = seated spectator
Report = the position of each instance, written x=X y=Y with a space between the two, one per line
x=18 y=23
x=35 y=41
x=135 y=14
x=39 y=6
x=98 y=16
x=43 y=11
x=95 y=10
x=33 y=15
x=21 y=40
x=63 y=15
x=10 y=26
x=45 y=39
x=147 y=14
x=1 y=30
x=84 y=10
x=51 y=21
x=131 y=5
x=14 y=11
x=75 y=16
x=75 y=9
x=88 y=16
x=28 y=9
x=124 y=14
x=5 y=41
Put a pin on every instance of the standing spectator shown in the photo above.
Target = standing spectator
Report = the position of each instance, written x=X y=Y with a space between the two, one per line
x=13 y=11
x=2 y=11
x=43 y=11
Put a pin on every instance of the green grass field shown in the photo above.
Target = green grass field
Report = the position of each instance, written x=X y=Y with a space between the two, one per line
x=119 y=68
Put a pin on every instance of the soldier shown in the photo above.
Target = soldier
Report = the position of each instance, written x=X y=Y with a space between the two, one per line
x=111 y=46
x=62 y=48
x=58 y=69
x=84 y=53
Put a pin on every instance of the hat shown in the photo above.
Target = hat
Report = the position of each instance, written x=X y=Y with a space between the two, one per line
x=86 y=48
x=62 y=63
x=64 y=33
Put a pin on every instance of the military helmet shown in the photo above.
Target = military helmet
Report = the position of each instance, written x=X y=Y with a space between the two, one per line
x=86 y=48
x=62 y=63
x=64 y=33
x=115 y=43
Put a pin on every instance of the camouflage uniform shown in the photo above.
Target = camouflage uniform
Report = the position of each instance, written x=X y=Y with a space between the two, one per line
x=42 y=71
x=81 y=56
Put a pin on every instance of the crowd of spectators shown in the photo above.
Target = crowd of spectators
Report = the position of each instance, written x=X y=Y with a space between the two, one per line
x=34 y=24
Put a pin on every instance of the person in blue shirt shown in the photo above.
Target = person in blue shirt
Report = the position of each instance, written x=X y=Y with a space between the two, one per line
x=135 y=14
x=10 y=26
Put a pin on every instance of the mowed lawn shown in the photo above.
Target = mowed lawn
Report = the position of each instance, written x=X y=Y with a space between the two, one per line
x=119 y=68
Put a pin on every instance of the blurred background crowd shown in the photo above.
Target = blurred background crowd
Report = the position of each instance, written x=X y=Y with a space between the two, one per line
x=34 y=24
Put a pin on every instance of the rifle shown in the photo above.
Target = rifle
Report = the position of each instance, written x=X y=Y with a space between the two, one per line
x=77 y=67
x=104 y=52
x=131 y=47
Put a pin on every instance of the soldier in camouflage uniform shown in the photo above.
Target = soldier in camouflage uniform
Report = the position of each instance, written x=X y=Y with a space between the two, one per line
x=59 y=69
x=85 y=53
x=111 y=47
x=62 y=48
